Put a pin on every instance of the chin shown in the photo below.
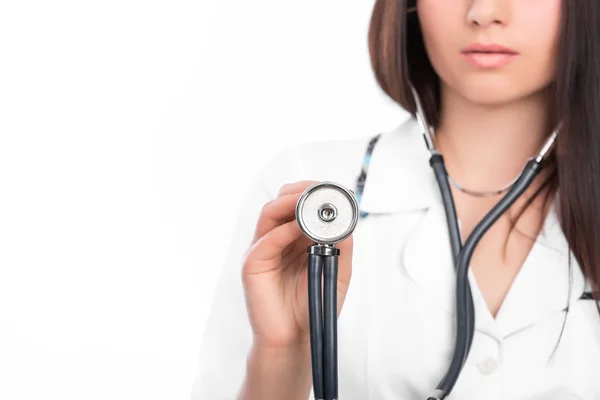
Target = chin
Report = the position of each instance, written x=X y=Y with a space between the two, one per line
x=490 y=93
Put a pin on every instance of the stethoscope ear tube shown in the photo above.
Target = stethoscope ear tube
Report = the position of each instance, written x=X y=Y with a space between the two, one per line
x=462 y=344
x=437 y=164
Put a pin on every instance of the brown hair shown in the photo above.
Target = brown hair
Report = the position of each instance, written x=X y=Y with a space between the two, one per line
x=398 y=53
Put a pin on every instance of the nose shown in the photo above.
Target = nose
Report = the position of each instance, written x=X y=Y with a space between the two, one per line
x=484 y=13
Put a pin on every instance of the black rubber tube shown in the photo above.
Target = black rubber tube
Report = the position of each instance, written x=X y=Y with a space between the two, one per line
x=330 y=272
x=315 y=312
x=529 y=173
x=441 y=175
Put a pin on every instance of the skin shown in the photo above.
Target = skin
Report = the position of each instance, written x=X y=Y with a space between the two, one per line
x=493 y=119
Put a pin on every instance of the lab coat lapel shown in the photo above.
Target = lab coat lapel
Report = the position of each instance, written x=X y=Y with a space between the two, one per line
x=545 y=283
x=427 y=259
x=400 y=180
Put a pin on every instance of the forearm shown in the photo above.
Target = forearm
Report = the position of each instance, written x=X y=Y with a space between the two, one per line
x=275 y=374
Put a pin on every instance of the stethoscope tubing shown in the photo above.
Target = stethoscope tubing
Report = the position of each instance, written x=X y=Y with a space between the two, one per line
x=330 y=356
x=439 y=168
x=323 y=324
x=465 y=313
x=464 y=304
x=315 y=311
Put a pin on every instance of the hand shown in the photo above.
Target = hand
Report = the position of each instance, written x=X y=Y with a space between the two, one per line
x=274 y=273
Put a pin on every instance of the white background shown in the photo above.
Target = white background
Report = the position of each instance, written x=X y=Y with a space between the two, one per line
x=128 y=130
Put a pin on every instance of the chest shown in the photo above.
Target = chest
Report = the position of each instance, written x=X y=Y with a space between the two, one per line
x=496 y=263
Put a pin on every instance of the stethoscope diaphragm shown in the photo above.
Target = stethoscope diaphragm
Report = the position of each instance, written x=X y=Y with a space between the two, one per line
x=327 y=212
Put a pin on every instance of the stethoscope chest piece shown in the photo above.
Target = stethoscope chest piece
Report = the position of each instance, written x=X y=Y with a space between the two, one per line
x=327 y=212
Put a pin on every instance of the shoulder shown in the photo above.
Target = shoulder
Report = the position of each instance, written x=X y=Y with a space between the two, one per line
x=337 y=160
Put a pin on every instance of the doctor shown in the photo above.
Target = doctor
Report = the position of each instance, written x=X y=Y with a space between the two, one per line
x=495 y=77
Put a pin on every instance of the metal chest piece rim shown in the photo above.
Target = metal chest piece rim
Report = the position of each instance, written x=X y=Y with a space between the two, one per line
x=328 y=212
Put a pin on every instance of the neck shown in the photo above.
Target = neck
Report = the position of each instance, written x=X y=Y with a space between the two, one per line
x=485 y=147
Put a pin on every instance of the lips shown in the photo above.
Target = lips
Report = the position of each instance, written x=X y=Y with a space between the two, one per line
x=488 y=48
x=488 y=55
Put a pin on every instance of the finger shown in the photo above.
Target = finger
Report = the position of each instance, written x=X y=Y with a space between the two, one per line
x=298 y=249
x=295 y=187
x=275 y=213
x=263 y=255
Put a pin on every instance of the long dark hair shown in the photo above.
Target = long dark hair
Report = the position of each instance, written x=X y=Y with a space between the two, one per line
x=575 y=176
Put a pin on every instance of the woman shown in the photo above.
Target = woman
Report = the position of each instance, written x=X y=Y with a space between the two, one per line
x=495 y=78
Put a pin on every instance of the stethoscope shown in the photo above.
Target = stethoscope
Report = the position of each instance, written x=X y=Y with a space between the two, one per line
x=328 y=213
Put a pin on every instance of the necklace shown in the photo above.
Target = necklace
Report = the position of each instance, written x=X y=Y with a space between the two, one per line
x=482 y=193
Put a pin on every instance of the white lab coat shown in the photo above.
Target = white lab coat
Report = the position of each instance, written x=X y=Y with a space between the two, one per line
x=396 y=329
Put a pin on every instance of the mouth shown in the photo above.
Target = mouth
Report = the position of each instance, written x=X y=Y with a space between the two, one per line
x=488 y=56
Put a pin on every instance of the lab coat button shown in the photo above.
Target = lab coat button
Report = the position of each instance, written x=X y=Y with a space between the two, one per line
x=487 y=366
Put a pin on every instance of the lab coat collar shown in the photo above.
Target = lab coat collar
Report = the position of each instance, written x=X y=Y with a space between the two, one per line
x=400 y=180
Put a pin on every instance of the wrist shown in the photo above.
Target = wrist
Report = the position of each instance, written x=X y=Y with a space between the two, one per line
x=273 y=372
x=296 y=353
x=299 y=345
